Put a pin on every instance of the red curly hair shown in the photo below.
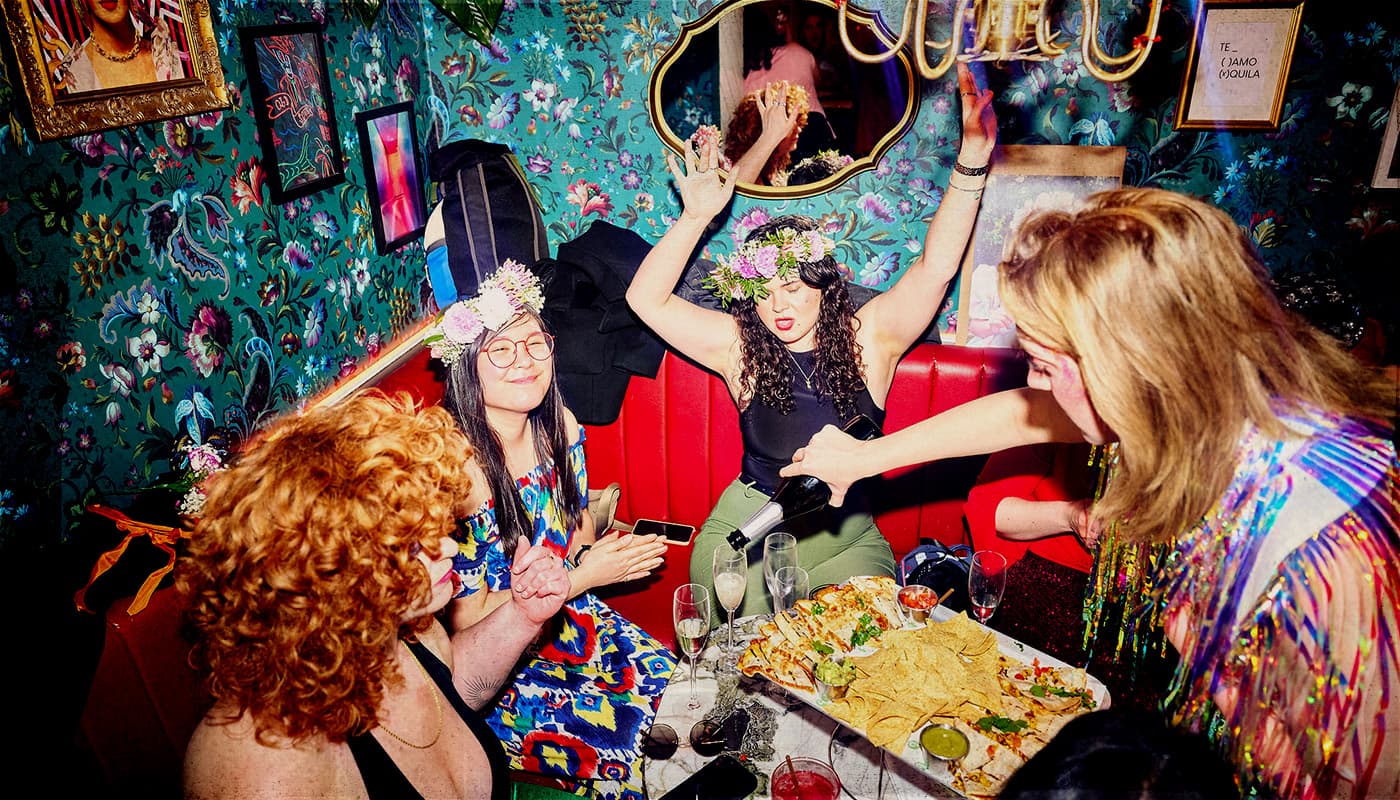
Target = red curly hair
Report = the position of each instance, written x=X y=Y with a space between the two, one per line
x=746 y=125
x=304 y=564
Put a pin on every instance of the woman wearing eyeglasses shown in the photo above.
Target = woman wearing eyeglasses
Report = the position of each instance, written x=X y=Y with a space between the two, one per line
x=579 y=703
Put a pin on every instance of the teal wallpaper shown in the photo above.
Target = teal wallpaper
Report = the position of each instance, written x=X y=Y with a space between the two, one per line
x=112 y=347
x=152 y=293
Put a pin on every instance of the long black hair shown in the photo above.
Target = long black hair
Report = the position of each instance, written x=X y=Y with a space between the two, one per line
x=760 y=39
x=463 y=398
x=767 y=369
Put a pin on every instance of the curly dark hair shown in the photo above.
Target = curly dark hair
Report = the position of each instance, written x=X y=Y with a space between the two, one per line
x=463 y=398
x=767 y=370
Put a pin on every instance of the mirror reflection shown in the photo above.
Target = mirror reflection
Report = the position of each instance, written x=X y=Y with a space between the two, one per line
x=719 y=63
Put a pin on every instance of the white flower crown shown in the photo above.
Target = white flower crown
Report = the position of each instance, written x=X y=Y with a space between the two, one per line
x=745 y=274
x=504 y=295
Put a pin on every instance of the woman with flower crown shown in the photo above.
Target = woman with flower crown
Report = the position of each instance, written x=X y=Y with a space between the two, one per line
x=577 y=707
x=793 y=351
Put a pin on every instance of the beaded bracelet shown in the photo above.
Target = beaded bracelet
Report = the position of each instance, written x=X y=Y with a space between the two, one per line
x=962 y=169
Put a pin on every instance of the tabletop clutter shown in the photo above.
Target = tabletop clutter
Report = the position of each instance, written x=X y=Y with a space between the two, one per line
x=939 y=691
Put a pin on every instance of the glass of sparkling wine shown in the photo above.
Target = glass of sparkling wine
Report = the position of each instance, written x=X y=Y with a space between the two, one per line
x=986 y=580
x=731 y=579
x=779 y=550
x=690 y=610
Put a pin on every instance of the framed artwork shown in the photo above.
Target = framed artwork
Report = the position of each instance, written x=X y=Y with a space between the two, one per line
x=1238 y=64
x=1387 y=175
x=291 y=95
x=393 y=174
x=88 y=68
x=1024 y=178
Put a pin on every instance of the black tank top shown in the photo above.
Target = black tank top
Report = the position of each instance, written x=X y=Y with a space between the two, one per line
x=771 y=438
x=383 y=778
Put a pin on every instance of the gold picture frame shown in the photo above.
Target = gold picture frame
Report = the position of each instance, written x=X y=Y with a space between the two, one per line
x=63 y=81
x=1387 y=174
x=1238 y=65
x=1023 y=178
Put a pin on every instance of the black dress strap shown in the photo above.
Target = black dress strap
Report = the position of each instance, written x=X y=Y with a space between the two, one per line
x=383 y=778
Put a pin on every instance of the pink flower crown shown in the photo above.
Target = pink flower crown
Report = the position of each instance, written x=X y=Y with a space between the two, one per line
x=745 y=274
x=505 y=294
x=710 y=134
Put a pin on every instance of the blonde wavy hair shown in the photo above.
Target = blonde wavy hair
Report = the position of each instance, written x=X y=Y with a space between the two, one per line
x=303 y=566
x=1169 y=311
x=747 y=124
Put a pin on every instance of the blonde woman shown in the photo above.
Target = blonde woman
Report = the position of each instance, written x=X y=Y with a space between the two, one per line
x=1246 y=436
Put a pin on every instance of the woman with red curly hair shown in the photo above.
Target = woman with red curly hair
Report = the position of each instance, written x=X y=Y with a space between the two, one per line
x=793 y=350
x=313 y=580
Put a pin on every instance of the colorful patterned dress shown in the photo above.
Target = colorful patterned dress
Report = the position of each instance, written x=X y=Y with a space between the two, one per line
x=581 y=703
x=1293 y=583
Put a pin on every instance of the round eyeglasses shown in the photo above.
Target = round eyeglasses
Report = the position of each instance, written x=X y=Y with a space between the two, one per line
x=504 y=353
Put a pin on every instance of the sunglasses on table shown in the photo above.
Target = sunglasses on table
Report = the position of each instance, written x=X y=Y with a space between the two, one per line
x=708 y=737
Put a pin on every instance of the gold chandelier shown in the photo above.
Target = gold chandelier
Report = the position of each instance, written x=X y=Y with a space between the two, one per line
x=1007 y=30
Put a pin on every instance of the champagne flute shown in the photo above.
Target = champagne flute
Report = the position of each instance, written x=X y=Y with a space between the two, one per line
x=792 y=586
x=731 y=580
x=690 y=610
x=779 y=550
x=986 y=580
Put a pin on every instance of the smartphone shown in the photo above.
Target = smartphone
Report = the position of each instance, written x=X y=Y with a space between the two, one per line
x=725 y=778
x=670 y=532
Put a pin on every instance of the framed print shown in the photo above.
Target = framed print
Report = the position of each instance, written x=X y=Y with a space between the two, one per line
x=1387 y=175
x=1024 y=178
x=1238 y=64
x=90 y=66
x=393 y=174
x=291 y=94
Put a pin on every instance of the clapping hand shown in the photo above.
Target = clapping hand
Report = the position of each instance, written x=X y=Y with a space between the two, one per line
x=704 y=193
x=619 y=557
x=539 y=584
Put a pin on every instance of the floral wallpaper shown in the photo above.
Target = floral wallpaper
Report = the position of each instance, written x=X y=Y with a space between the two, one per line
x=150 y=293
x=154 y=298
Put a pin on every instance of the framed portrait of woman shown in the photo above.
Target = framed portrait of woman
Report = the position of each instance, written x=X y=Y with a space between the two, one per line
x=94 y=65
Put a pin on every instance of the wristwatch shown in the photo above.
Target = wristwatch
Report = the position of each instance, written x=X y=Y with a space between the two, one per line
x=579 y=555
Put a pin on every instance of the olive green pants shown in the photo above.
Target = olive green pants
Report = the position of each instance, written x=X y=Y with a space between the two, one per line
x=833 y=544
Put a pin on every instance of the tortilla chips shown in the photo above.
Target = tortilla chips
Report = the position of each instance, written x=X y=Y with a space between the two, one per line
x=950 y=672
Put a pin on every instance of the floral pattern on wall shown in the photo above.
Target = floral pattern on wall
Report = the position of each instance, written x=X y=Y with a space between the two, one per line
x=151 y=295
x=161 y=301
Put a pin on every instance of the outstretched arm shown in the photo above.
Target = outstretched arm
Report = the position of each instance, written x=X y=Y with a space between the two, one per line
x=899 y=316
x=484 y=654
x=985 y=425
x=778 y=119
x=699 y=333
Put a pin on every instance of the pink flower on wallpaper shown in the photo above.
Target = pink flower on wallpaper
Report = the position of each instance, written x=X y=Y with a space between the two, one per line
x=589 y=200
x=612 y=82
x=247 y=184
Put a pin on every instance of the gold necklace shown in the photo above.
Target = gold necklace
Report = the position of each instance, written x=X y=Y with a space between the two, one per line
x=127 y=56
x=807 y=379
x=437 y=703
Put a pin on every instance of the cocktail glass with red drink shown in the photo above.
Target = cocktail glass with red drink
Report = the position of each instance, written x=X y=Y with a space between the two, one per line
x=804 y=778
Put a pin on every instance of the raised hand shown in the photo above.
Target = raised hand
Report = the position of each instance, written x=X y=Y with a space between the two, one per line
x=776 y=113
x=704 y=193
x=979 y=120
x=619 y=557
x=539 y=584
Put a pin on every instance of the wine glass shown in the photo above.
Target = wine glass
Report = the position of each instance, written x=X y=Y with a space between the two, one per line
x=986 y=580
x=731 y=580
x=779 y=550
x=690 y=610
x=791 y=583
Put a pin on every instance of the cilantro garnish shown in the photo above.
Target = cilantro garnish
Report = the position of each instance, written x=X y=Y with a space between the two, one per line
x=818 y=609
x=1085 y=699
x=866 y=629
x=1002 y=724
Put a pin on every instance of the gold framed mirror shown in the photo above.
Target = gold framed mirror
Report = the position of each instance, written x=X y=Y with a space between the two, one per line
x=855 y=111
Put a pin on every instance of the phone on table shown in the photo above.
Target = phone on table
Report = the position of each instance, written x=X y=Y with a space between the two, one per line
x=725 y=778
x=670 y=532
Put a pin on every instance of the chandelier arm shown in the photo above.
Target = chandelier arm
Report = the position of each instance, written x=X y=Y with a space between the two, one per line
x=1045 y=39
x=950 y=55
x=842 y=13
x=1134 y=59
